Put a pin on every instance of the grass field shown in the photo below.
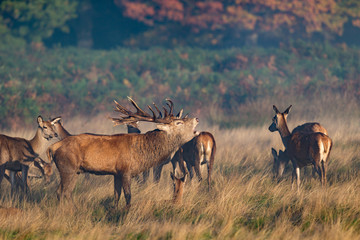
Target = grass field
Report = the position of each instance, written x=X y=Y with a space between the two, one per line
x=244 y=202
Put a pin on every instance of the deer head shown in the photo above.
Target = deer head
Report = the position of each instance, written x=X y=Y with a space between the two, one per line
x=280 y=161
x=279 y=120
x=167 y=122
x=178 y=177
x=46 y=128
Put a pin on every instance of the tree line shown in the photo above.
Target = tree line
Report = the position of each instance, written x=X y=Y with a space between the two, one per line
x=143 y=23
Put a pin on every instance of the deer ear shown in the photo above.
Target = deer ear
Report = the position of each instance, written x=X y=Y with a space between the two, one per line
x=287 y=110
x=40 y=121
x=55 y=120
x=274 y=153
x=275 y=109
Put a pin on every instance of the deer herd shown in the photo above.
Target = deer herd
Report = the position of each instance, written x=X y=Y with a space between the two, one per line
x=125 y=156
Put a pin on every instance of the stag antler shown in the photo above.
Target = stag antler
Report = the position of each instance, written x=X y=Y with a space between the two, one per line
x=140 y=115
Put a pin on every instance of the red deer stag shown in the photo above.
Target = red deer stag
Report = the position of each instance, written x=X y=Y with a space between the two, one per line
x=134 y=128
x=303 y=148
x=63 y=133
x=16 y=154
x=281 y=160
x=122 y=155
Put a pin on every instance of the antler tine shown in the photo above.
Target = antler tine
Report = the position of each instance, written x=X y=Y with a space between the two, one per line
x=157 y=109
x=121 y=109
x=154 y=115
x=165 y=112
x=180 y=113
x=171 y=106
x=138 y=109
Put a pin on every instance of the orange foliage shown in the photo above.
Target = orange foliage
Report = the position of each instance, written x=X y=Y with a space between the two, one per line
x=264 y=15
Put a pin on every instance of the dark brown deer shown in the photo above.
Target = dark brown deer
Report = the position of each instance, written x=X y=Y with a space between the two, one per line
x=281 y=159
x=16 y=154
x=303 y=148
x=122 y=155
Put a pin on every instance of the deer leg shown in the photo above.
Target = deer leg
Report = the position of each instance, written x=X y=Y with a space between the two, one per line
x=191 y=171
x=197 y=171
x=126 y=184
x=324 y=168
x=24 y=177
x=145 y=174
x=67 y=184
x=2 y=173
x=157 y=172
x=12 y=181
x=319 y=171
x=117 y=189
x=297 y=170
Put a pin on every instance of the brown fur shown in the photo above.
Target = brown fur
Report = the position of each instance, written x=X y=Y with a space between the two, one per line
x=303 y=148
x=16 y=154
x=194 y=151
x=310 y=127
x=121 y=155
x=178 y=176
x=134 y=128
x=281 y=159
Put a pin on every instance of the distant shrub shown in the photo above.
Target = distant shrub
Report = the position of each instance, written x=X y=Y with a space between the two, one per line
x=67 y=81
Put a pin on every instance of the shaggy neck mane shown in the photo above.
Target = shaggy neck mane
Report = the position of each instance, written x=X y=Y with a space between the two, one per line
x=156 y=147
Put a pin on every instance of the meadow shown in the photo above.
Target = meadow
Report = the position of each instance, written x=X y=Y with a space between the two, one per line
x=245 y=202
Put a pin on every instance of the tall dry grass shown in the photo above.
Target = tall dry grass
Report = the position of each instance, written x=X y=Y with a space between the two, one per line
x=244 y=202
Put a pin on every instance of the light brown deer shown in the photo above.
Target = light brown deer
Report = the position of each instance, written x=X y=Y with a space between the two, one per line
x=59 y=129
x=63 y=133
x=178 y=176
x=303 y=148
x=122 y=155
x=16 y=154
x=197 y=152
x=281 y=160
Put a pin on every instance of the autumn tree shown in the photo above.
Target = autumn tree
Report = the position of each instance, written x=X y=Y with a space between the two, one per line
x=298 y=17
x=32 y=21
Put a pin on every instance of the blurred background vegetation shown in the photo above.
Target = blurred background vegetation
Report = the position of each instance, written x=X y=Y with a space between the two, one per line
x=227 y=61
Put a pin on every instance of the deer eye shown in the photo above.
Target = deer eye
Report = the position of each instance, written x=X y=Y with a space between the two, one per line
x=45 y=127
x=179 y=123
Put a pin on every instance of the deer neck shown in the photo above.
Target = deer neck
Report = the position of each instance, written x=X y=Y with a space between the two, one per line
x=63 y=133
x=38 y=143
x=178 y=193
x=159 y=146
x=284 y=134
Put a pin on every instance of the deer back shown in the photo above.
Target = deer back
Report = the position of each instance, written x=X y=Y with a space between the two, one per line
x=308 y=147
x=310 y=127
x=15 y=149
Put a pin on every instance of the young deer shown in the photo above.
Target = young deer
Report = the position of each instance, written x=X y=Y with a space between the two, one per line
x=16 y=154
x=178 y=176
x=122 y=155
x=303 y=148
x=198 y=152
x=281 y=160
